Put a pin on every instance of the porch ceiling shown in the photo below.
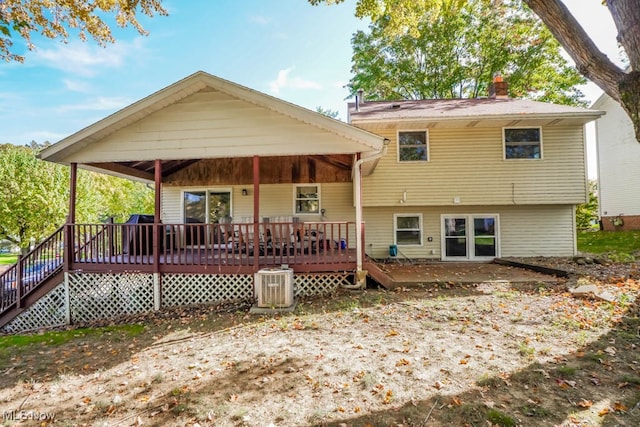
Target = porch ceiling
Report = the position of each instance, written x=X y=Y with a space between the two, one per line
x=145 y=170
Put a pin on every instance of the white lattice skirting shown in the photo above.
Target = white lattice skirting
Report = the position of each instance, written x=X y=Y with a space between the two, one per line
x=48 y=312
x=94 y=296
x=97 y=296
x=186 y=289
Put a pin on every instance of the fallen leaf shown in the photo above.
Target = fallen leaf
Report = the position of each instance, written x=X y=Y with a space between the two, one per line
x=585 y=403
x=402 y=362
x=463 y=361
x=603 y=412
x=392 y=333
x=620 y=407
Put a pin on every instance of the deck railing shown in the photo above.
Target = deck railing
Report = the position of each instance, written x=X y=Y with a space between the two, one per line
x=32 y=269
x=311 y=246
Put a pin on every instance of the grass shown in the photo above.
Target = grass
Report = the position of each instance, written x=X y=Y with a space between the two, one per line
x=8 y=259
x=61 y=337
x=599 y=242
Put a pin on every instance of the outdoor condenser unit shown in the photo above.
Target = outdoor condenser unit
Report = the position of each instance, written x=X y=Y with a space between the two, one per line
x=274 y=287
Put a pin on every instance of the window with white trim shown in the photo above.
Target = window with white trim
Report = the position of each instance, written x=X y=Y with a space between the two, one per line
x=307 y=199
x=408 y=229
x=413 y=146
x=522 y=143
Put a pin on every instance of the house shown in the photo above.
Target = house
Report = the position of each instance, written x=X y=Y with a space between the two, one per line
x=618 y=174
x=249 y=186
x=474 y=179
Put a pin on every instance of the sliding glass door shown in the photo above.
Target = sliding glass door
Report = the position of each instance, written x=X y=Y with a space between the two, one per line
x=469 y=237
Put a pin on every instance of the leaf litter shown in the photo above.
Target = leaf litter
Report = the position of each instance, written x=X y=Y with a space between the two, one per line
x=431 y=355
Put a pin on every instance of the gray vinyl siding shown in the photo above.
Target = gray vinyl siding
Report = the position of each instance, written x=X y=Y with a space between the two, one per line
x=524 y=231
x=468 y=165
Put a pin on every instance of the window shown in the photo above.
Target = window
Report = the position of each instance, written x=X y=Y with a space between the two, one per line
x=522 y=143
x=307 y=199
x=206 y=206
x=413 y=146
x=408 y=229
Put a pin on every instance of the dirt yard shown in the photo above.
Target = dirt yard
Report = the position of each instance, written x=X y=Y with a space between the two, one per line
x=467 y=355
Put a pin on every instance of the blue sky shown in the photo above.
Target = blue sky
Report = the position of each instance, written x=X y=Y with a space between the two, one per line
x=285 y=48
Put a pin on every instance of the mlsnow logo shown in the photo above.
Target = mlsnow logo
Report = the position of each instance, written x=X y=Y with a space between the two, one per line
x=27 y=415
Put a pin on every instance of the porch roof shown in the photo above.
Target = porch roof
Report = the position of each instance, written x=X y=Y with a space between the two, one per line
x=206 y=117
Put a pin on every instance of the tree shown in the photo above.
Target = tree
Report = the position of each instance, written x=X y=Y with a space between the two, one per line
x=53 y=19
x=34 y=200
x=587 y=213
x=33 y=197
x=456 y=53
x=328 y=112
x=621 y=85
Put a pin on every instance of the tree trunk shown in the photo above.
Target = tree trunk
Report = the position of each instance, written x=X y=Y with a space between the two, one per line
x=590 y=61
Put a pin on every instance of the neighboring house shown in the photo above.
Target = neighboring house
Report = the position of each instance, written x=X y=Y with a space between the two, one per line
x=246 y=182
x=618 y=167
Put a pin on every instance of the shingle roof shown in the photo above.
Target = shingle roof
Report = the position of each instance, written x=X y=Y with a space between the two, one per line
x=461 y=109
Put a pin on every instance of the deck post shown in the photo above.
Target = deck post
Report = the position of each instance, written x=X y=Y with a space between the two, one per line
x=67 y=299
x=256 y=213
x=71 y=218
x=157 y=235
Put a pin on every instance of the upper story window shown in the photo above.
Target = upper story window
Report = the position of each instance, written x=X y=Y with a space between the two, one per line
x=522 y=143
x=413 y=146
x=307 y=199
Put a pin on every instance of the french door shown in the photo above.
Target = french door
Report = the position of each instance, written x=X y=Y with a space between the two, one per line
x=470 y=237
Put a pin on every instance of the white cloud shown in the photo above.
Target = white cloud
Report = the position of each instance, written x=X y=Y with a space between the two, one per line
x=261 y=20
x=99 y=104
x=77 y=85
x=285 y=81
x=86 y=59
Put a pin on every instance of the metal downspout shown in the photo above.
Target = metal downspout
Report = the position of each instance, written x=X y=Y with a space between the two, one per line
x=361 y=275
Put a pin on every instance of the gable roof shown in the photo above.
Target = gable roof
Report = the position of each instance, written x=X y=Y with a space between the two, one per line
x=470 y=112
x=326 y=135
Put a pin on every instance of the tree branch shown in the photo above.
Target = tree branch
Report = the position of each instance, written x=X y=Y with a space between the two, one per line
x=590 y=61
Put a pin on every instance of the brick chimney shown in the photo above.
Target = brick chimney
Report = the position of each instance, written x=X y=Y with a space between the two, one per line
x=499 y=88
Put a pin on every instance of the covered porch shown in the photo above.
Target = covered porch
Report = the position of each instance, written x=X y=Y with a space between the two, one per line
x=265 y=160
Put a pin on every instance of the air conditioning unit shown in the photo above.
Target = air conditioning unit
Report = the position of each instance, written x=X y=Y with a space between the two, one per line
x=274 y=287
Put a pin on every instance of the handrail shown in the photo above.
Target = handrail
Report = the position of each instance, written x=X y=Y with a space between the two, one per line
x=31 y=270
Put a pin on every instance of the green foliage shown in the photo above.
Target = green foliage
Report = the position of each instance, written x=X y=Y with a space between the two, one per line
x=609 y=242
x=587 y=213
x=328 y=112
x=35 y=198
x=454 y=51
x=32 y=203
x=500 y=418
x=53 y=19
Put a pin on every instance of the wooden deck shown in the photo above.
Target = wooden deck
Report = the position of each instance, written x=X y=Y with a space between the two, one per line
x=208 y=248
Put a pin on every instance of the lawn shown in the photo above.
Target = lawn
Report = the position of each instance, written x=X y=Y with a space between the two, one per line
x=600 y=242
x=489 y=354
x=8 y=259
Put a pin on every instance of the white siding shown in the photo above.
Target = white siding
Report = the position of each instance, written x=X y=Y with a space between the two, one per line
x=524 y=230
x=468 y=165
x=275 y=200
x=618 y=162
x=213 y=124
